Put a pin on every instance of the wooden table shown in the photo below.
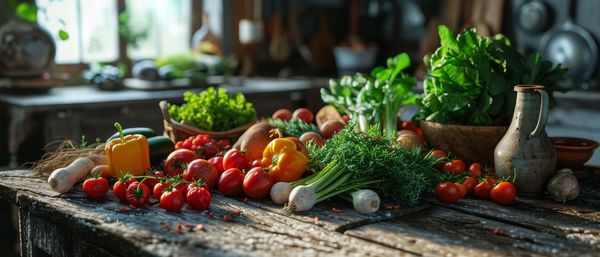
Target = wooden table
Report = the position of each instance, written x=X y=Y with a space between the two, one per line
x=72 y=225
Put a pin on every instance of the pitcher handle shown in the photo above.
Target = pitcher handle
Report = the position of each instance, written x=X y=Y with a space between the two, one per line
x=543 y=117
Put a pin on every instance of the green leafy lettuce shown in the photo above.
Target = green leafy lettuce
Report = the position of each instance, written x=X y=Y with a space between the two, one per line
x=470 y=79
x=213 y=110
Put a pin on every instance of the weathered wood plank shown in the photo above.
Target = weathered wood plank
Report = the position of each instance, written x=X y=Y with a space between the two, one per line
x=440 y=231
x=340 y=215
x=14 y=181
x=520 y=213
x=254 y=233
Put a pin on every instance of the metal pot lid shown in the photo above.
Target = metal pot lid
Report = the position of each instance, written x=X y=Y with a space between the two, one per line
x=533 y=16
x=574 y=48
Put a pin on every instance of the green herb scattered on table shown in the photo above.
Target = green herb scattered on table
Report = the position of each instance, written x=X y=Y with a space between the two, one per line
x=293 y=127
x=375 y=99
x=470 y=79
x=213 y=110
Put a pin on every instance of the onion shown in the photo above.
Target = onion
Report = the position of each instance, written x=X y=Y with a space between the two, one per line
x=302 y=198
x=563 y=186
x=280 y=192
x=365 y=201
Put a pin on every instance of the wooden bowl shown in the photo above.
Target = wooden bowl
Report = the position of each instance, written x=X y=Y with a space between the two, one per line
x=573 y=152
x=468 y=143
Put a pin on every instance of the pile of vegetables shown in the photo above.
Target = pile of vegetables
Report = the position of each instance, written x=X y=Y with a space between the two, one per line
x=213 y=110
x=352 y=160
x=470 y=79
x=374 y=99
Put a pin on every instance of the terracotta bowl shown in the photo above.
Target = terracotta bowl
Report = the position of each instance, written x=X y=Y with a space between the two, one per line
x=573 y=152
x=469 y=143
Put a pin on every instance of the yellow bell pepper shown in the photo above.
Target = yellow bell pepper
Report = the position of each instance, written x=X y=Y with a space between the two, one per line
x=127 y=154
x=284 y=161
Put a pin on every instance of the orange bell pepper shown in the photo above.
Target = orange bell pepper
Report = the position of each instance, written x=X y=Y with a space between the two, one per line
x=127 y=154
x=284 y=161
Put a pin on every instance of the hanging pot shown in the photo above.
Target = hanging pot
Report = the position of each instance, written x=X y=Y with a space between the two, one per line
x=26 y=49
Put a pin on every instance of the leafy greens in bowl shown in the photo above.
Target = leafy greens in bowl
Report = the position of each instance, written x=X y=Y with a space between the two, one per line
x=470 y=79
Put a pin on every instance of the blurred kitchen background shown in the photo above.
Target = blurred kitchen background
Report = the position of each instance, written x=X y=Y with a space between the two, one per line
x=89 y=63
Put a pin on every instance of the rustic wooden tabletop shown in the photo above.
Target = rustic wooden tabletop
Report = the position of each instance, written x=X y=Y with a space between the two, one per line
x=72 y=225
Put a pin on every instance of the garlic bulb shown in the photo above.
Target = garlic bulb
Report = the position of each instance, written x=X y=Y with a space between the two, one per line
x=563 y=186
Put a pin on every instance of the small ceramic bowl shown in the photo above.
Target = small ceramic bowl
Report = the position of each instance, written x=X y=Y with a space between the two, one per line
x=573 y=152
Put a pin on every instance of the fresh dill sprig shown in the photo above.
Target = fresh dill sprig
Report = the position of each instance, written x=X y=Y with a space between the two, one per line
x=293 y=127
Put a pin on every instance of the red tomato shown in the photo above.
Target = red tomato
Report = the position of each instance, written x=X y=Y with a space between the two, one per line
x=282 y=114
x=231 y=182
x=234 y=158
x=454 y=167
x=159 y=188
x=176 y=161
x=171 y=200
x=447 y=192
x=469 y=184
x=202 y=169
x=95 y=187
x=412 y=127
x=255 y=163
x=303 y=114
x=461 y=188
x=482 y=190
x=138 y=194
x=198 y=197
x=217 y=161
x=151 y=182
x=504 y=193
x=257 y=183
x=182 y=187
x=475 y=170
x=437 y=153
x=119 y=189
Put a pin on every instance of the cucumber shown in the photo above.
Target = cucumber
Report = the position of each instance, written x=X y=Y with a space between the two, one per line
x=147 y=132
x=160 y=148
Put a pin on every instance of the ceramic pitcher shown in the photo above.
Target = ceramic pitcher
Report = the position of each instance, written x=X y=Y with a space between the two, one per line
x=525 y=149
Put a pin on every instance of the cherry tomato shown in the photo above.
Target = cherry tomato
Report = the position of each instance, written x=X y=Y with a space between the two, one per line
x=231 y=182
x=469 y=184
x=198 y=197
x=176 y=161
x=437 y=153
x=234 y=158
x=119 y=189
x=482 y=190
x=303 y=114
x=454 y=167
x=95 y=187
x=137 y=194
x=282 y=114
x=447 y=192
x=257 y=183
x=217 y=161
x=504 y=193
x=202 y=169
x=475 y=170
x=151 y=182
x=159 y=188
x=461 y=188
x=171 y=200
x=182 y=187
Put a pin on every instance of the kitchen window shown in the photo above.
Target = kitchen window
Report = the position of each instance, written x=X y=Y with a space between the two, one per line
x=159 y=27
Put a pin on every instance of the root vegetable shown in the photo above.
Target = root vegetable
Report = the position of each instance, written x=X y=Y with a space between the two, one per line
x=563 y=186
x=410 y=141
x=312 y=136
x=329 y=128
x=280 y=192
x=62 y=180
x=103 y=170
x=327 y=113
x=255 y=139
x=365 y=201
x=302 y=198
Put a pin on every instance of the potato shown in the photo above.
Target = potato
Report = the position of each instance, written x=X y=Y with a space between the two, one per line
x=410 y=141
x=329 y=128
